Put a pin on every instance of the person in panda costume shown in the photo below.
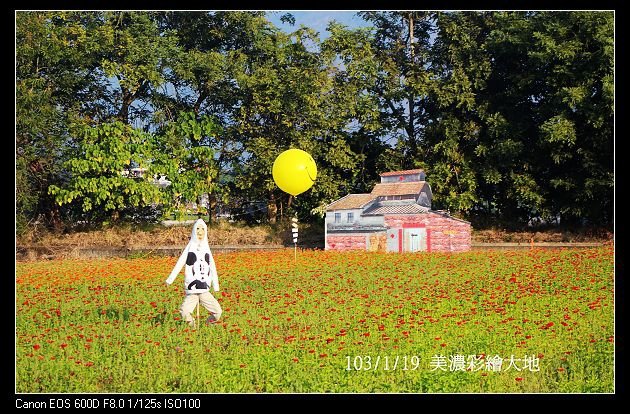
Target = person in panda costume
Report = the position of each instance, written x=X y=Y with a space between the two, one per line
x=200 y=272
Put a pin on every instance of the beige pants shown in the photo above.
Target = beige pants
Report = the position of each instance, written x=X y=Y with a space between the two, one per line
x=207 y=301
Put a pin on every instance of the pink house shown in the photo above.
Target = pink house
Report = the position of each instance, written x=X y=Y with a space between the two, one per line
x=395 y=217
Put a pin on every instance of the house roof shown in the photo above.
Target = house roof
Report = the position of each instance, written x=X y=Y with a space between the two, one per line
x=351 y=201
x=403 y=172
x=390 y=189
x=446 y=214
x=411 y=208
x=356 y=229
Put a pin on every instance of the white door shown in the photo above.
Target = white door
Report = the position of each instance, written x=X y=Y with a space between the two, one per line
x=393 y=241
x=416 y=240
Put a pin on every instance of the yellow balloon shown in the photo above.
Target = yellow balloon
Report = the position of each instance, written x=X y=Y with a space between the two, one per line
x=294 y=171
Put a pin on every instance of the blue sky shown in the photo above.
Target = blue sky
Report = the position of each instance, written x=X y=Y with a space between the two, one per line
x=317 y=19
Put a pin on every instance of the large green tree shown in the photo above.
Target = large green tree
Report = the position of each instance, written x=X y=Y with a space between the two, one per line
x=135 y=56
x=525 y=102
x=456 y=154
x=401 y=46
x=99 y=180
x=203 y=83
x=510 y=113
x=185 y=154
x=57 y=82
x=571 y=90
x=282 y=93
x=354 y=70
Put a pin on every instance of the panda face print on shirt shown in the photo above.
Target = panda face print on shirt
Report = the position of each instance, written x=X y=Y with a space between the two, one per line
x=200 y=266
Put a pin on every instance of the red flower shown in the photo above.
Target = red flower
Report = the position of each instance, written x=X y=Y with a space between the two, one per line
x=519 y=379
x=36 y=347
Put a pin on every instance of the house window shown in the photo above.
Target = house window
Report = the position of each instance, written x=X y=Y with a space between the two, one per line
x=350 y=217
x=337 y=218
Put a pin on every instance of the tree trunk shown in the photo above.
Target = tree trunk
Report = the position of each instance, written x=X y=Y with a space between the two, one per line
x=281 y=211
x=128 y=97
x=127 y=100
x=272 y=209
x=53 y=217
x=411 y=35
x=197 y=106
x=212 y=207
x=411 y=131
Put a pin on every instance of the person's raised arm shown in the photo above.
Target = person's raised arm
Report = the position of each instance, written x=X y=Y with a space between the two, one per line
x=178 y=266
x=214 y=277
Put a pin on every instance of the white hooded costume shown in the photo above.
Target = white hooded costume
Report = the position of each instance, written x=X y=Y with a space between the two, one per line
x=200 y=271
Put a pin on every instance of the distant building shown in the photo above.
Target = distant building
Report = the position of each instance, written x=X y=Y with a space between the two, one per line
x=395 y=217
x=137 y=172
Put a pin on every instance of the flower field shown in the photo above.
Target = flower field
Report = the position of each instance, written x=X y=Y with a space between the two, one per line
x=482 y=321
